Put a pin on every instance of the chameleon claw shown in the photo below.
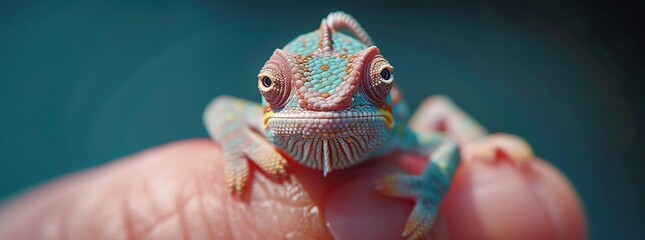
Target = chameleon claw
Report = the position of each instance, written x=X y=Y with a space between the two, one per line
x=283 y=171
x=238 y=190
x=428 y=198
x=237 y=173
x=397 y=185
x=420 y=222
x=279 y=174
x=265 y=156
x=409 y=186
x=278 y=170
x=428 y=189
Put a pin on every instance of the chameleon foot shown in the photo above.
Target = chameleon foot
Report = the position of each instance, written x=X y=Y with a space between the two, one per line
x=228 y=122
x=261 y=153
x=491 y=147
x=428 y=189
x=237 y=171
x=266 y=157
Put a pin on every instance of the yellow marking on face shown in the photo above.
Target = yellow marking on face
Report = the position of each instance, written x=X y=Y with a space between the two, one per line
x=268 y=114
x=389 y=119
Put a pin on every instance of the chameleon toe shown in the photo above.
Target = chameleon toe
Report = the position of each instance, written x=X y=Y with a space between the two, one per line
x=398 y=185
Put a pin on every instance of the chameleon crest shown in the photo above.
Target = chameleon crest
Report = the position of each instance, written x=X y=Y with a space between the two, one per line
x=326 y=96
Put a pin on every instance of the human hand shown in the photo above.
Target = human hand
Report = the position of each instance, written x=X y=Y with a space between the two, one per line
x=178 y=191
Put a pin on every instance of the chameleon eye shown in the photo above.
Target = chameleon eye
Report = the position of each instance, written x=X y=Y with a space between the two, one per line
x=378 y=81
x=274 y=80
x=266 y=81
x=385 y=74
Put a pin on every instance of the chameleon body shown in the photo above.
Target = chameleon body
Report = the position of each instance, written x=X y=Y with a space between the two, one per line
x=329 y=102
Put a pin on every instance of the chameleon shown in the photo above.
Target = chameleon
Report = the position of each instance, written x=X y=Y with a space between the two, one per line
x=329 y=101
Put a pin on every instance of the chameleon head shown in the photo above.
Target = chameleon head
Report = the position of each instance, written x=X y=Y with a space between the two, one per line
x=326 y=99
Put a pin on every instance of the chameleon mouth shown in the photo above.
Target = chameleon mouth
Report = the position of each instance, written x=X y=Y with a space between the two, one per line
x=328 y=120
x=329 y=140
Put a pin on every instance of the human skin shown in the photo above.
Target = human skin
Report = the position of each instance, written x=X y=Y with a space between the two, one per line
x=179 y=191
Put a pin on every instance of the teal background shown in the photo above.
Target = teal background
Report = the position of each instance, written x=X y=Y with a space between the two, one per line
x=85 y=82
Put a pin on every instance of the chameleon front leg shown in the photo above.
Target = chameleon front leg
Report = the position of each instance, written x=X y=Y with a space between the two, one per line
x=235 y=124
x=440 y=114
x=427 y=189
x=438 y=128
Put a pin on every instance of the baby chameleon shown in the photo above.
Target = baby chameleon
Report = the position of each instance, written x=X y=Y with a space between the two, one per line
x=329 y=102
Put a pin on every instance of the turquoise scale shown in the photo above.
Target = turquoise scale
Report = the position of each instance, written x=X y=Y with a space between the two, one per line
x=326 y=72
x=307 y=44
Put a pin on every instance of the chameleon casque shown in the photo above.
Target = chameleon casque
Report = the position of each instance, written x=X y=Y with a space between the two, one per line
x=329 y=102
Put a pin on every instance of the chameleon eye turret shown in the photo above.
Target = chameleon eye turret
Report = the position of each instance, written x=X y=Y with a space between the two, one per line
x=378 y=79
x=274 y=80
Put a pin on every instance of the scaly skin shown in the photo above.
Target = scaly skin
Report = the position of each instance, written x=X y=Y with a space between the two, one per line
x=329 y=102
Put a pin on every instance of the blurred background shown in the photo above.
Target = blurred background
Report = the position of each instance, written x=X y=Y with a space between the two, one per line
x=85 y=82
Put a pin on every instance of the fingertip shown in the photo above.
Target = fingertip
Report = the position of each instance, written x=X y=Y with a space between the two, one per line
x=562 y=201
x=172 y=190
x=501 y=201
